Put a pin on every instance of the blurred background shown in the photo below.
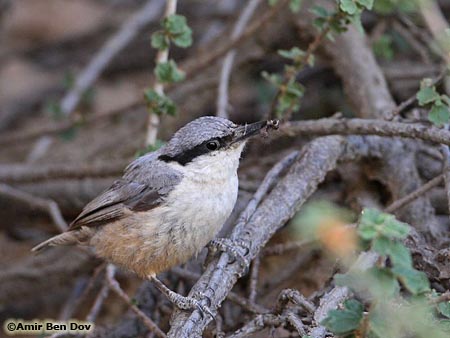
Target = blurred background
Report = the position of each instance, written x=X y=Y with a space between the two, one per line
x=50 y=155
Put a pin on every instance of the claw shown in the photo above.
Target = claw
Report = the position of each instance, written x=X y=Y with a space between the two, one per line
x=228 y=246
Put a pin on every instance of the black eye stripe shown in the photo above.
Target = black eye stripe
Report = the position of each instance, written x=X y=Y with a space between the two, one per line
x=201 y=149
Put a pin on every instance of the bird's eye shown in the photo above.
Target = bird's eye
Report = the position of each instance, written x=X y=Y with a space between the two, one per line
x=213 y=145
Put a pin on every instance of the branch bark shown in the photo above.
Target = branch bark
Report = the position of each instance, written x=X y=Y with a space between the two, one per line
x=331 y=126
x=319 y=157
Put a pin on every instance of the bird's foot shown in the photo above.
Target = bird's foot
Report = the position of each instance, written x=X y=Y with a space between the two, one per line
x=181 y=302
x=232 y=249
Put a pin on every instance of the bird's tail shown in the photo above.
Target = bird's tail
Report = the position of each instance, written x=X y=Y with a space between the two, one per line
x=66 y=238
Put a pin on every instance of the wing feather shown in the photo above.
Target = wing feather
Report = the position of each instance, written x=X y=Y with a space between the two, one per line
x=145 y=184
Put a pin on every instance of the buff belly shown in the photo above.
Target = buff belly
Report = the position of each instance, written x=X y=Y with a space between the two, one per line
x=156 y=240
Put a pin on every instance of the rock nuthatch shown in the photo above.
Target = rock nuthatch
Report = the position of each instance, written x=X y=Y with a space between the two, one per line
x=169 y=203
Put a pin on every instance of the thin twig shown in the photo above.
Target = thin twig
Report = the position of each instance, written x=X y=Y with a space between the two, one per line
x=130 y=28
x=244 y=18
x=446 y=154
x=161 y=57
x=279 y=249
x=193 y=66
x=417 y=45
x=253 y=285
x=114 y=285
x=45 y=204
x=403 y=105
x=101 y=60
x=99 y=300
x=23 y=173
x=415 y=194
x=234 y=297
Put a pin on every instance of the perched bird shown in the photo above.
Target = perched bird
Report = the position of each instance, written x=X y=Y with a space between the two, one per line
x=169 y=203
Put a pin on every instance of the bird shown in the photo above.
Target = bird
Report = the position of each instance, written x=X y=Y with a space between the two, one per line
x=168 y=205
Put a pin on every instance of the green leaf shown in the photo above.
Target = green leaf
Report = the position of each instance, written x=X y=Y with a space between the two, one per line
x=374 y=223
x=168 y=72
x=159 y=104
x=400 y=255
x=319 y=11
x=427 y=95
x=272 y=2
x=295 y=5
x=160 y=40
x=394 y=229
x=348 y=6
x=439 y=114
x=444 y=308
x=178 y=30
x=367 y=4
x=275 y=79
x=294 y=53
x=379 y=283
x=413 y=280
x=346 y=320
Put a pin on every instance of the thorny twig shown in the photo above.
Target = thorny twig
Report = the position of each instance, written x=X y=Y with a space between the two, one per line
x=161 y=57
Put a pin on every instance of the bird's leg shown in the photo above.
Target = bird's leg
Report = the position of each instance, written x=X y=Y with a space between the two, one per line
x=228 y=246
x=181 y=302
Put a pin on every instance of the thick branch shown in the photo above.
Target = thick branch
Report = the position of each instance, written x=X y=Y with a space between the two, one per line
x=368 y=127
x=319 y=157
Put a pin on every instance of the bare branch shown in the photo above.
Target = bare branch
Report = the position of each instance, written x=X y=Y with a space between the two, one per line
x=244 y=18
x=331 y=126
x=44 y=204
x=130 y=28
x=415 y=194
x=289 y=194
x=114 y=285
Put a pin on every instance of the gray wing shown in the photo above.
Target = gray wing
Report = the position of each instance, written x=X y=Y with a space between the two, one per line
x=144 y=185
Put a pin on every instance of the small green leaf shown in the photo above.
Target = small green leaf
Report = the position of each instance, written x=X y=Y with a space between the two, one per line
x=293 y=53
x=178 y=30
x=160 y=40
x=168 y=72
x=159 y=104
x=295 y=5
x=427 y=95
x=344 y=321
x=413 y=280
x=444 y=308
x=348 y=6
x=394 y=229
x=439 y=114
x=272 y=2
x=275 y=79
x=400 y=255
x=374 y=223
x=367 y=4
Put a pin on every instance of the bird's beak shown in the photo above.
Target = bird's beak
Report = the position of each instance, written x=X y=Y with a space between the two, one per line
x=246 y=131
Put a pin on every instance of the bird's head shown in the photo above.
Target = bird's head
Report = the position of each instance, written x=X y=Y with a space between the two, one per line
x=210 y=139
